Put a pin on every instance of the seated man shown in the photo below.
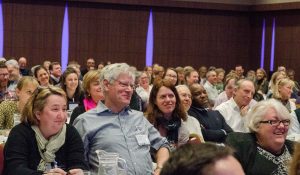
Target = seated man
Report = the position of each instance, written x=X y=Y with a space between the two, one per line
x=204 y=159
x=113 y=127
x=213 y=125
x=234 y=110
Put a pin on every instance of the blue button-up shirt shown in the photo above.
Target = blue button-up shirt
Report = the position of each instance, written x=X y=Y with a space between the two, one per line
x=100 y=128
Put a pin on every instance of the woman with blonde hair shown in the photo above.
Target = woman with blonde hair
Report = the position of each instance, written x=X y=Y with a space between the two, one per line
x=43 y=143
x=282 y=92
x=10 y=109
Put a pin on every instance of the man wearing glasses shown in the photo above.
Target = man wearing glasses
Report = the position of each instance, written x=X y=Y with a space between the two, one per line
x=3 y=80
x=113 y=127
x=265 y=149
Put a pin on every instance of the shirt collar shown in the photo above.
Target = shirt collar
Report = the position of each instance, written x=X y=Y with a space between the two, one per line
x=102 y=108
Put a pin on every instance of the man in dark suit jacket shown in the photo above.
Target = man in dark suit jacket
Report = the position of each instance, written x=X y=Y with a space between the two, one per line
x=213 y=125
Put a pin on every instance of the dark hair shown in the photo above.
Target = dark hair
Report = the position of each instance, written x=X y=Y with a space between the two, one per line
x=36 y=72
x=153 y=111
x=172 y=69
x=195 y=159
x=67 y=72
x=53 y=64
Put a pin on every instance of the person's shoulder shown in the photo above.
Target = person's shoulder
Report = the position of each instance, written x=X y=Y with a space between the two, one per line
x=21 y=129
x=239 y=138
x=8 y=104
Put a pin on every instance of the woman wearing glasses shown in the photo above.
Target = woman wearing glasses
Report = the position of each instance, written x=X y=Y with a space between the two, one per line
x=265 y=149
x=43 y=143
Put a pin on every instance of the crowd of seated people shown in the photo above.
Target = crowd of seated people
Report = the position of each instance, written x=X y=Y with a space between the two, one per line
x=144 y=115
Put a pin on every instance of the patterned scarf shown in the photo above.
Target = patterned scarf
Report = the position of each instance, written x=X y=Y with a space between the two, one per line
x=48 y=148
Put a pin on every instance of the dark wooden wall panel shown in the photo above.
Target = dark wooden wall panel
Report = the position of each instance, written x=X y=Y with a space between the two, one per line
x=108 y=33
x=212 y=38
x=33 y=30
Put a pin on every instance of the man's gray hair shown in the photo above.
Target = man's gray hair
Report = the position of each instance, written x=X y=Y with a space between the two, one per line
x=111 y=72
x=12 y=62
x=259 y=111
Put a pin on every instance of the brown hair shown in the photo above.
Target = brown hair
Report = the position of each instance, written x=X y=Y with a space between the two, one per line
x=153 y=111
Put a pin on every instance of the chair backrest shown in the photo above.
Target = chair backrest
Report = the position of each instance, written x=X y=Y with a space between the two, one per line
x=1 y=158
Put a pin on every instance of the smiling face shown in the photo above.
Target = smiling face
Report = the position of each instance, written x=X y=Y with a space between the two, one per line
x=185 y=97
x=165 y=101
x=269 y=136
x=144 y=80
x=118 y=93
x=260 y=74
x=200 y=97
x=171 y=75
x=43 y=77
x=285 y=91
x=71 y=81
x=25 y=93
x=244 y=94
x=95 y=90
x=53 y=115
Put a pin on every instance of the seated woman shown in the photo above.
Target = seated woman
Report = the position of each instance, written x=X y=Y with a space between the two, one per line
x=42 y=76
x=166 y=113
x=282 y=92
x=70 y=84
x=264 y=150
x=25 y=87
x=261 y=82
x=93 y=93
x=43 y=143
x=171 y=75
x=192 y=123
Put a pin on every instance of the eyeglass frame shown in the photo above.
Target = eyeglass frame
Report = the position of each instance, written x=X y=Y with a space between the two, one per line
x=273 y=122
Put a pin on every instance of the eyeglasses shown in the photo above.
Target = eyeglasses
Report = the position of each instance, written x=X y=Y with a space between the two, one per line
x=125 y=85
x=4 y=75
x=277 y=122
x=171 y=76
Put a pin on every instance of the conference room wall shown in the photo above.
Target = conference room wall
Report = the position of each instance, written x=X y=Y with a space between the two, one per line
x=182 y=36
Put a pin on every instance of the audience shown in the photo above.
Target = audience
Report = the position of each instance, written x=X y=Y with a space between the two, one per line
x=202 y=74
x=55 y=72
x=213 y=125
x=42 y=143
x=282 y=92
x=191 y=77
x=192 y=123
x=23 y=64
x=220 y=79
x=210 y=86
x=265 y=149
x=234 y=110
x=25 y=87
x=202 y=159
x=106 y=117
x=261 y=82
x=3 y=80
x=167 y=114
x=228 y=91
x=70 y=84
x=171 y=75
x=93 y=94
x=90 y=65
x=42 y=76
x=14 y=74
x=113 y=127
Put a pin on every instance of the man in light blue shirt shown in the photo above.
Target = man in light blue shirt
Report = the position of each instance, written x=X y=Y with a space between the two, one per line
x=114 y=127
